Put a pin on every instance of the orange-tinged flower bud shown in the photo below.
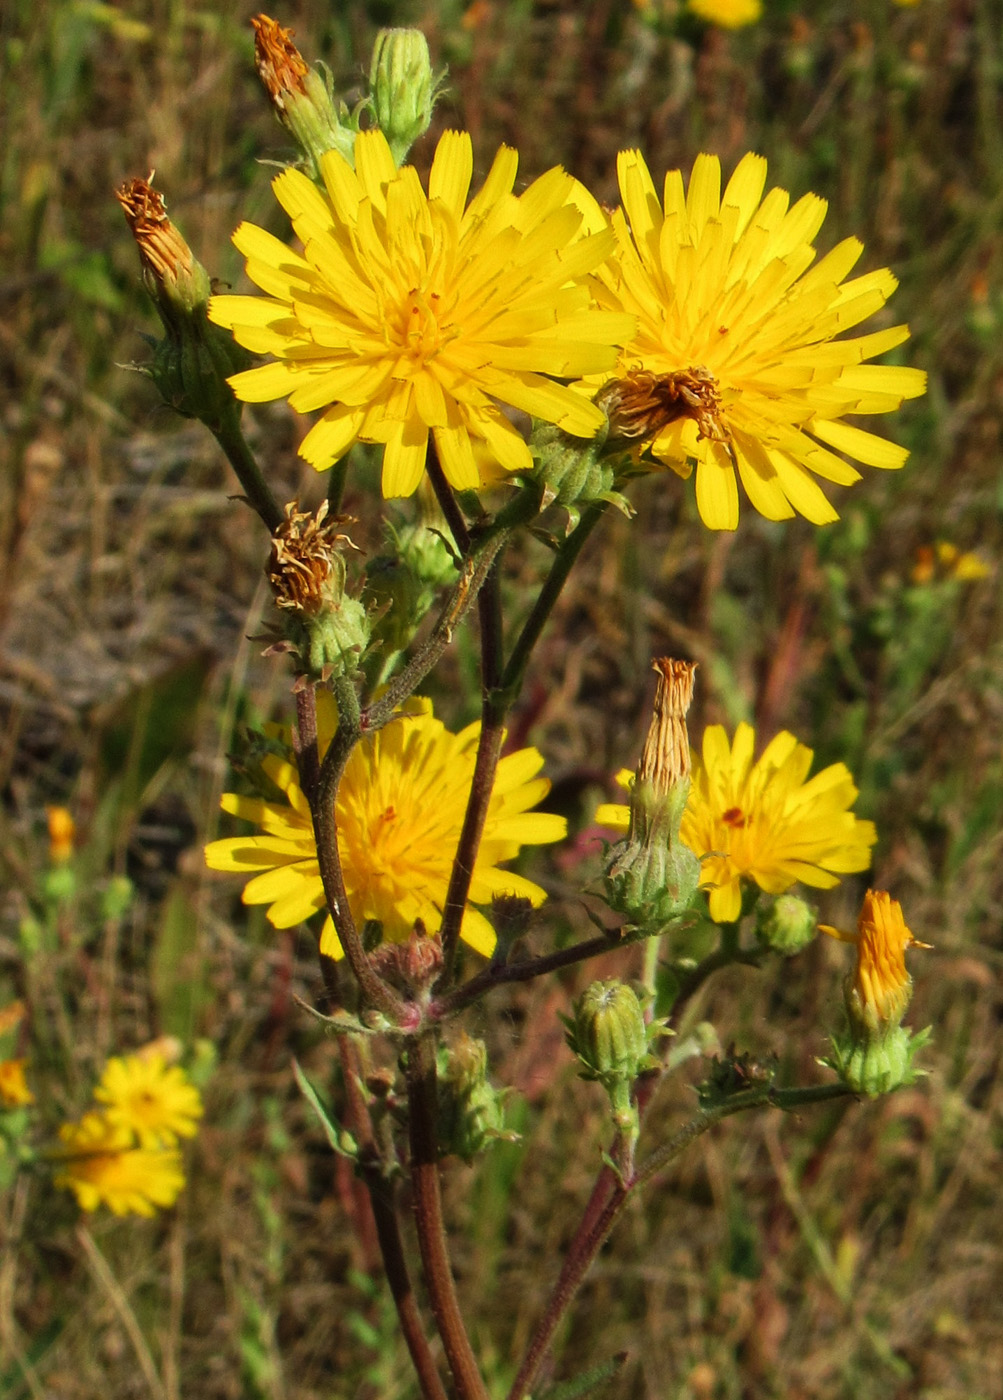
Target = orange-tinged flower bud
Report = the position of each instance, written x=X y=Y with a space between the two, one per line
x=14 y=1091
x=877 y=1053
x=62 y=829
x=880 y=988
x=192 y=363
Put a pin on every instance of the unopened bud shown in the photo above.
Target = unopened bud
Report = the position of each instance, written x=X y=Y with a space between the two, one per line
x=651 y=876
x=405 y=580
x=610 y=1038
x=301 y=97
x=192 y=363
x=62 y=830
x=786 y=924
x=403 y=88
x=471 y=1110
x=608 y=1034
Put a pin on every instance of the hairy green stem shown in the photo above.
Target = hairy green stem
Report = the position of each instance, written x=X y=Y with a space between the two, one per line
x=567 y=556
x=476 y=568
x=422 y=1115
x=336 y=485
x=244 y=463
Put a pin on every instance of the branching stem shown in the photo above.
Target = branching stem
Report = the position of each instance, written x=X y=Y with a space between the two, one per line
x=597 y=1222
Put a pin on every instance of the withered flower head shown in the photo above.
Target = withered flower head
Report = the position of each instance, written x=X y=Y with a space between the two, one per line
x=278 y=61
x=192 y=363
x=641 y=403
x=305 y=567
x=170 y=265
x=301 y=97
x=652 y=876
x=665 y=761
x=326 y=627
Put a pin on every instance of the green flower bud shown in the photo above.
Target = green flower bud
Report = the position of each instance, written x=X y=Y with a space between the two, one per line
x=651 y=876
x=874 y=1066
x=192 y=363
x=403 y=88
x=328 y=629
x=735 y=1074
x=117 y=897
x=608 y=1034
x=302 y=97
x=785 y=924
x=471 y=1111
x=405 y=581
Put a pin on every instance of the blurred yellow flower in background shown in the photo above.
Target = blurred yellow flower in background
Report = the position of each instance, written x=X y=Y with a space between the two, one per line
x=400 y=810
x=150 y=1099
x=729 y=14
x=736 y=345
x=410 y=313
x=14 y=1091
x=101 y=1166
x=762 y=820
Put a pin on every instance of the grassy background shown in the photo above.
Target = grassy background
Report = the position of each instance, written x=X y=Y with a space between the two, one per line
x=856 y=1252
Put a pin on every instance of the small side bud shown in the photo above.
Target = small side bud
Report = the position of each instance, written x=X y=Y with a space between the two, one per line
x=301 y=97
x=786 y=924
x=404 y=581
x=403 y=88
x=651 y=876
x=471 y=1110
x=731 y=1075
x=328 y=629
x=192 y=363
x=610 y=1038
x=608 y=1034
x=876 y=1053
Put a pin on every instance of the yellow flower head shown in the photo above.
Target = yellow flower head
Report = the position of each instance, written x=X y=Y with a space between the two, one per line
x=879 y=990
x=145 y=1096
x=741 y=331
x=411 y=312
x=762 y=821
x=14 y=1091
x=100 y=1165
x=729 y=14
x=400 y=810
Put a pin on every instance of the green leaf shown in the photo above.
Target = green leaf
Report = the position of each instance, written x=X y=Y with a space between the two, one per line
x=341 y=1141
x=177 y=968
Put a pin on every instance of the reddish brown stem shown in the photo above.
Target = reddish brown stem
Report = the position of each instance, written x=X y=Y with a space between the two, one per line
x=378 y=1213
x=422 y=1111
